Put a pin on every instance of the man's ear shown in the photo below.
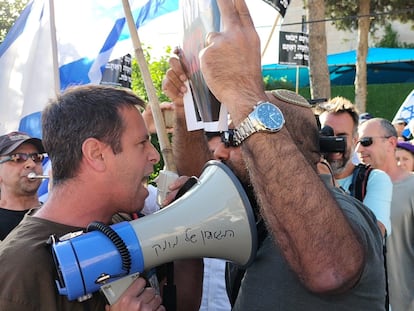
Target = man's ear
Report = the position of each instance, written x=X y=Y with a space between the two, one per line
x=394 y=141
x=354 y=139
x=93 y=150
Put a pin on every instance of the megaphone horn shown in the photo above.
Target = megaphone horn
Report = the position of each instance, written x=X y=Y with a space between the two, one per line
x=213 y=219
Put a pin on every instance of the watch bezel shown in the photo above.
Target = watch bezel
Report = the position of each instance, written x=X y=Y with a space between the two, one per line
x=258 y=121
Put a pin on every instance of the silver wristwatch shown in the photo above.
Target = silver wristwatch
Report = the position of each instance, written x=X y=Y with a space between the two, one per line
x=265 y=117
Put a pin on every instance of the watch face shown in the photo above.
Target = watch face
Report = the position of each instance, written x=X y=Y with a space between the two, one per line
x=270 y=116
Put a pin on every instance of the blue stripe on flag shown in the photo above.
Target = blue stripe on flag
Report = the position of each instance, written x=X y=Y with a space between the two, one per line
x=30 y=124
x=154 y=9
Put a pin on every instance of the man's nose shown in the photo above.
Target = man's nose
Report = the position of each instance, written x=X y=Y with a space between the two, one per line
x=221 y=152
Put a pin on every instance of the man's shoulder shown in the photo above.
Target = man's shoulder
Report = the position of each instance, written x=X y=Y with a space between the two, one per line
x=406 y=183
x=30 y=236
x=410 y=178
x=379 y=176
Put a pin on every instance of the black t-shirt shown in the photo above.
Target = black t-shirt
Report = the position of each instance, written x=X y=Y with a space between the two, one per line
x=8 y=220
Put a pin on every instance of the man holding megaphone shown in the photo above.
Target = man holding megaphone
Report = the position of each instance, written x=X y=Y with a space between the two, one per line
x=323 y=250
x=101 y=156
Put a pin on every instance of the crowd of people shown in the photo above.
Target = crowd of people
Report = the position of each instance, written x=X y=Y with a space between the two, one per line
x=335 y=228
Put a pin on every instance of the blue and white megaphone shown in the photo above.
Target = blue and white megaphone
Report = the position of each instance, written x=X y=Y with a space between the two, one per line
x=212 y=219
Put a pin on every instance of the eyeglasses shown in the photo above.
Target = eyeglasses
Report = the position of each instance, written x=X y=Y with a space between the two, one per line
x=227 y=138
x=23 y=157
x=368 y=141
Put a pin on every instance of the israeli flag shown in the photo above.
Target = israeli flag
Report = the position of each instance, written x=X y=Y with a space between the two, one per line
x=56 y=44
x=406 y=111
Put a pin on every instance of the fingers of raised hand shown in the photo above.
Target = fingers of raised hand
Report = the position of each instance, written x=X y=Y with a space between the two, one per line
x=173 y=84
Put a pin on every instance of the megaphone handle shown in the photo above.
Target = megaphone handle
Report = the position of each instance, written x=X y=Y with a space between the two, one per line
x=115 y=289
x=187 y=186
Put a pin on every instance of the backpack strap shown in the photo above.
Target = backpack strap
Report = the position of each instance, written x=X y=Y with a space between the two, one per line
x=387 y=291
x=358 y=187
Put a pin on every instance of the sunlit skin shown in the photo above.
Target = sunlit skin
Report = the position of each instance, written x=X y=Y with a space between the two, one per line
x=375 y=154
x=381 y=154
x=135 y=163
x=120 y=176
x=405 y=159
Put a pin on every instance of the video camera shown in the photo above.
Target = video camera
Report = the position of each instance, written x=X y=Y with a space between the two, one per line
x=329 y=143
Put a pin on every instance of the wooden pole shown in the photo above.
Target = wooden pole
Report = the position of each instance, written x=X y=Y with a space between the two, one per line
x=271 y=34
x=54 y=47
x=165 y=145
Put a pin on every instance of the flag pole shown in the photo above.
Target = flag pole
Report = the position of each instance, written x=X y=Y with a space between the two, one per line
x=54 y=47
x=271 y=34
x=159 y=122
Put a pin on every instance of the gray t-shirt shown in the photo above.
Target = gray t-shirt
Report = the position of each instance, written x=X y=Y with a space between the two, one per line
x=269 y=283
x=400 y=246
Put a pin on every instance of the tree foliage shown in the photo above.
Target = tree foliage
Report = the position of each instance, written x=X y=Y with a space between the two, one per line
x=344 y=13
x=157 y=68
x=9 y=11
x=365 y=16
x=391 y=39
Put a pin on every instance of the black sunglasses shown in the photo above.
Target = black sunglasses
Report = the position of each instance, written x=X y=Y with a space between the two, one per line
x=23 y=157
x=227 y=138
x=368 y=141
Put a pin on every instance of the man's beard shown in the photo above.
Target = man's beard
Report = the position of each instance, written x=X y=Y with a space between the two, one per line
x=338 y=166
x=244 y=180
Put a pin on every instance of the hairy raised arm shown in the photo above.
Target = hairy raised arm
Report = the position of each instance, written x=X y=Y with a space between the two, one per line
x=303 y=217
x=305 y=220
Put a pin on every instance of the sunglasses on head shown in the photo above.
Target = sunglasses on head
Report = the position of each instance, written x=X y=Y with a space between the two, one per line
x=368 y=141
x=23 y=157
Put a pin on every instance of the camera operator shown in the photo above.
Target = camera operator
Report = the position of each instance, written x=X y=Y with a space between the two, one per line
x=341 y=115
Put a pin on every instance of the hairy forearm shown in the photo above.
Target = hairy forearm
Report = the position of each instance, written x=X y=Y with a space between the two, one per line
x=304 y=219
x=190 y=149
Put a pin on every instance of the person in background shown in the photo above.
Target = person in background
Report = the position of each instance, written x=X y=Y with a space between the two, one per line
x=214 y=295
x=100 y=160
x=364 y=117
x=341 y=115
x=20 y=155
x=315 y=256
x=376 y=146
x=151 y=205
x=400 y=125
x=405 y=155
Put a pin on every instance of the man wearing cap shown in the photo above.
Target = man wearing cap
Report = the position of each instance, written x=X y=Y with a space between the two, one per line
x=400 y=125
x=20 y=155
x=364 y=117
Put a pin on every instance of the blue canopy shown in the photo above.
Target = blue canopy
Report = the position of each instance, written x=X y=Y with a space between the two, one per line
x=384 y=65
